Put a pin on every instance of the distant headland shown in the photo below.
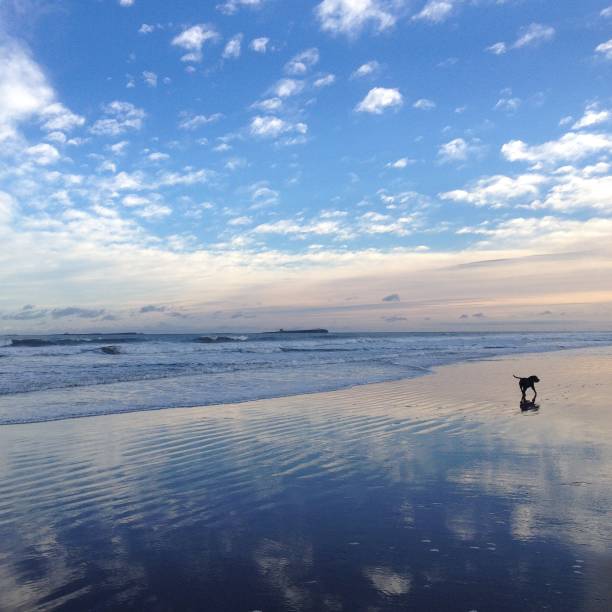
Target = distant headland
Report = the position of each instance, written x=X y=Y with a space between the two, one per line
x=300 y=331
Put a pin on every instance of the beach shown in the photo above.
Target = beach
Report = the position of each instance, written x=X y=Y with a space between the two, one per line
x=434 y=493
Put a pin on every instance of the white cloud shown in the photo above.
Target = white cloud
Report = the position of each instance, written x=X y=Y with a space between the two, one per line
x=400 y=164
x=43 y=154
x=120 y=117
x=192 y=39
x=193 y=122
x=325 y=81
x=352 y=16
x=58 y=137
x=150 y=78
x=592 y=116
x=458 y=149
x=533 y=34
x=376 y=223
x=403 y=200
x=234 y=163
x=273 y=127
x=260 y=45
x=118 y=148
x=286 y=88
x=157 y=156
x=263 y=196
x=24 y=90
x=153 y=211
x=237 y=221
x=283 y=226
x=564 y=189
x=7 y=208
x=448 y=62
x=229 y=7
x=498 y=48
x=369 y=68
x=529 y=36
x=579 y=189
x=146 y=28
x=380 y=99
x=335 y=224
x=605 y=49
x=124 y=181
x=424 y=104
x=287 y=227
x=126 y=2
x=58 y=118
x=132 y=200
x=499 y=190
x=302 y=62
x=571 y=146
x=233 y=47
x=269 y=105
x=436 y=11
x=188 y=177
x=557 y=233
x=508 y=103
x=607 y=12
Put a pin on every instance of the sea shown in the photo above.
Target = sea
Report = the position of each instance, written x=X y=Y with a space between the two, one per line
x=51 y=377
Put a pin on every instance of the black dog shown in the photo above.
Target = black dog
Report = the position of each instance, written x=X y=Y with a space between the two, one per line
x=528 y=383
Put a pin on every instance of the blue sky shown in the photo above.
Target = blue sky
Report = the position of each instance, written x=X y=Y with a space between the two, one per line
x=250 y=163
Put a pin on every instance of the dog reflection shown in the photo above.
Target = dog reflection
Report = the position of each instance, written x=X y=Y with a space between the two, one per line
x=529 y=406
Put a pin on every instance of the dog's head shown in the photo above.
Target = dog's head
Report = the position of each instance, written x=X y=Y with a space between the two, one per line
x=534 y=379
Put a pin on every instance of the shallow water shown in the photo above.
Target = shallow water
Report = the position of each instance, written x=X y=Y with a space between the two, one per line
x=432 y=494
x=53 y=377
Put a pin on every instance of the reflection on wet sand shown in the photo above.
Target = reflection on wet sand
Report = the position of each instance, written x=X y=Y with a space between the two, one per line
x=433 y=493
x=529 y=406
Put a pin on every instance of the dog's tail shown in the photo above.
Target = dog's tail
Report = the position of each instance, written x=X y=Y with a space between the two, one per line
x=517 y=377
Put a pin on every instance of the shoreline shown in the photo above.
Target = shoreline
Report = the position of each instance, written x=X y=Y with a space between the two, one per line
x=419 y=373
x=398 y=495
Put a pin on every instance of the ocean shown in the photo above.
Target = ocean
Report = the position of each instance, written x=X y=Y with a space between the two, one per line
x=50 y=377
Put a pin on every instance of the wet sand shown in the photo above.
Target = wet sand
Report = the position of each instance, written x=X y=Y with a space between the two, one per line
x=436 y=493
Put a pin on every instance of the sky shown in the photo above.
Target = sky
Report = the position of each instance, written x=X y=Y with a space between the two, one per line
x=390 y=165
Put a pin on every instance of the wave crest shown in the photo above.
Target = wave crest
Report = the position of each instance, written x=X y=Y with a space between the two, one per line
x=220 y=339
